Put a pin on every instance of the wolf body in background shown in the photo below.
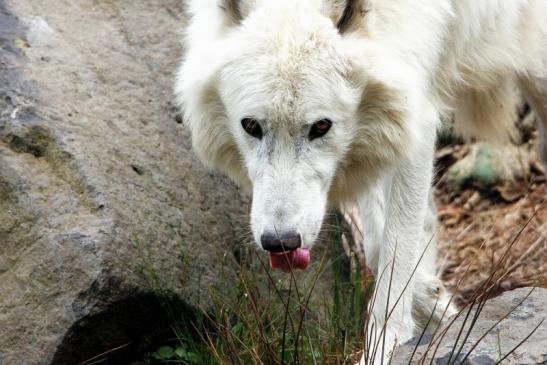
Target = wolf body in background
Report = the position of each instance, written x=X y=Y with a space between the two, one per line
x=312 y=103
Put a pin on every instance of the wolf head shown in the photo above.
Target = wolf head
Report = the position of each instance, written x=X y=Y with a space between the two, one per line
x=287 y=99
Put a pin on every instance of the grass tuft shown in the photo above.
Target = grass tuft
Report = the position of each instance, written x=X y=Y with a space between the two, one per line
x=275 y=319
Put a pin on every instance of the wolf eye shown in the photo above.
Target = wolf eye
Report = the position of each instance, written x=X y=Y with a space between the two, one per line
x=319 y=129
x=252 y=127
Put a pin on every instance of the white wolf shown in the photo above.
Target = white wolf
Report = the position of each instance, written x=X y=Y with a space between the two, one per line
x=312 y=103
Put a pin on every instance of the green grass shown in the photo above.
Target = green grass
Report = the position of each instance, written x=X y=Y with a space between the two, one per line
x=273 y=318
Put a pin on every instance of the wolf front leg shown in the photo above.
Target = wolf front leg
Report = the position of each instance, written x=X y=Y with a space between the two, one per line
x=405 y=192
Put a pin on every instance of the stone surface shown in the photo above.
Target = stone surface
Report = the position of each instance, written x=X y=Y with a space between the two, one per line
x=516 y=323
x=97 y=180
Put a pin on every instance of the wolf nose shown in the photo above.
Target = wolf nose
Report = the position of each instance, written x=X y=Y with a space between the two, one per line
x=279 y=242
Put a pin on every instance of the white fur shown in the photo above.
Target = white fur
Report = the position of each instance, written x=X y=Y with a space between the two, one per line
x=384 y=83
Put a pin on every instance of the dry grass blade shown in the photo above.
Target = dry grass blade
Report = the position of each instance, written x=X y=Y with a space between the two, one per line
x=422 y=334
x=100 y=357
x=495 y=325
x=256 y=313
x=481 y=294
x=521 y=342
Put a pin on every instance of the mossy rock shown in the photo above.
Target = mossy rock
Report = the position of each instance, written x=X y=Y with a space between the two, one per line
x=487 y=165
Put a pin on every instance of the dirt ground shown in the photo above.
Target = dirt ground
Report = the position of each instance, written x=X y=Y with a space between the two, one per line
x=499 y=235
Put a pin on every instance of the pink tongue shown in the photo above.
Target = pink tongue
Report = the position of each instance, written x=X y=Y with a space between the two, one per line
x=289 y=260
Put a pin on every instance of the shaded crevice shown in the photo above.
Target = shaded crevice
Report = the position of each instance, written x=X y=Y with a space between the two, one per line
x=34 y=140
x=38 y=141
x=123 y=332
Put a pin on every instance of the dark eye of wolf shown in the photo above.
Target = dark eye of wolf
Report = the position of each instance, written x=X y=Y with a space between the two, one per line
x=319 y=129
x=252 y=127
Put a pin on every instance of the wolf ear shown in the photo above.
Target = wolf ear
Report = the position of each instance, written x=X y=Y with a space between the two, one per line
x=352 y=15
x=233 y=10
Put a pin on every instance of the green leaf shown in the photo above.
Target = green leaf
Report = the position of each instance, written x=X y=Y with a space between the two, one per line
x=164 y=353
x=194 y=358
x=181 y=352
x=238 y=328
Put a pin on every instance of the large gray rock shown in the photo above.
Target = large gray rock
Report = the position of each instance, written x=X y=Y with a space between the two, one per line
x=97 y=180
x=499 y=338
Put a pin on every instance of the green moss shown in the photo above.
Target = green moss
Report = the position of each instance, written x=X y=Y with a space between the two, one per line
x=487 y=170
x=483 y=168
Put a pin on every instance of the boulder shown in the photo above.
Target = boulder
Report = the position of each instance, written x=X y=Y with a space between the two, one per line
x=101 y=197
x=510 y=327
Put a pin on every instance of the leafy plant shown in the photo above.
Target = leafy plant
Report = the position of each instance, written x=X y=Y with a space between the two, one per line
x=180 y=352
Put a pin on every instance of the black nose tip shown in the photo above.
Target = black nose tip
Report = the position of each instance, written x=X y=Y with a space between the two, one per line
x=282 y=241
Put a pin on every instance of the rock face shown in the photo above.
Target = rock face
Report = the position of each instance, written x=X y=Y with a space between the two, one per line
x=97 y=179
x=500 y=339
